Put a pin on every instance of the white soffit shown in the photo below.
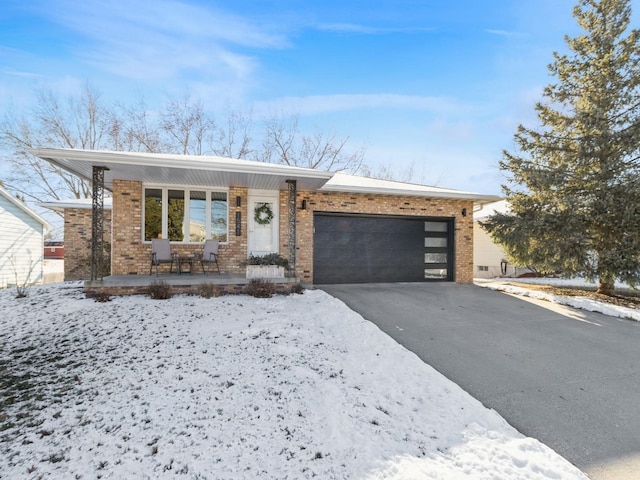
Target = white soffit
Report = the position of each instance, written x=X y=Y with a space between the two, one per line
x=193 y=170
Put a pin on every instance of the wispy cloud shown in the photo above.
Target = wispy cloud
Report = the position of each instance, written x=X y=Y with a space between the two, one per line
x=504 y=33
x=16 y=73
x=319 y=104
x=145 y=39
x=105 y=18
x=368 y=30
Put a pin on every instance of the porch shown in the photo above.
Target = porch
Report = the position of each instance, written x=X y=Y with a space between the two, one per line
x=180 y=283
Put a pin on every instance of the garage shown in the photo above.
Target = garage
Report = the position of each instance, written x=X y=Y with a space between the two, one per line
x=356 y=248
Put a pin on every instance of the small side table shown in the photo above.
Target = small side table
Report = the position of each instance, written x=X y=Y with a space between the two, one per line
x=183 y=261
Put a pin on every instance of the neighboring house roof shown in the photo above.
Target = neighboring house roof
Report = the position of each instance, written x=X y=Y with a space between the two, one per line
x=488 y=209
x=199 y=170
x=81 y=203
x=24 y=208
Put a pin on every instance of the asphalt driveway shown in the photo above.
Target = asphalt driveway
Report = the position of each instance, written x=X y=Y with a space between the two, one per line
x=569 y=378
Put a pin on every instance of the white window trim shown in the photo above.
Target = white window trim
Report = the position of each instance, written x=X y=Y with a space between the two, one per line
x=165 y=208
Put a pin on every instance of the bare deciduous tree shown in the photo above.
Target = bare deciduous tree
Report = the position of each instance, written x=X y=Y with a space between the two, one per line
x=136 y=129
x=183 y=126
x=283 y=143
x=233 y=135
x=79 y=122
x=187 y=126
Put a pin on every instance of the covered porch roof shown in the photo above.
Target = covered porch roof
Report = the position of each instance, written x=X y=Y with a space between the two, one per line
x=193 y=170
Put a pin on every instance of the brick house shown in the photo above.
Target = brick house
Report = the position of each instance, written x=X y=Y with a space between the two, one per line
x=77 y=234
x=334 y=227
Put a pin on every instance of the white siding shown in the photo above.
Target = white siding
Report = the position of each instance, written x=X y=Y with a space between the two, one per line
x=488 y=254
x=21 y=245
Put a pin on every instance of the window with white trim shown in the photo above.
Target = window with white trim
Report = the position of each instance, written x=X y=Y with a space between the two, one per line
x=185 y=215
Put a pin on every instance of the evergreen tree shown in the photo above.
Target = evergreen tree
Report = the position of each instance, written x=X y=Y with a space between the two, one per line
x=574 y=183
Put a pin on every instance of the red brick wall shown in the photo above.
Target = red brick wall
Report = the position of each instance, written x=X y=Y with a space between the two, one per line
x=77 y=239
x=131 y=255
x=233 y=254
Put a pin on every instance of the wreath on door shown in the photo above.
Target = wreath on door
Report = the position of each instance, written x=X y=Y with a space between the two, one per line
x=263 y=214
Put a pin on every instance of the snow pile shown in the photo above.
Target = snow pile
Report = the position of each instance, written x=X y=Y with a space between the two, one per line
x=235 y=387
x=584 y=303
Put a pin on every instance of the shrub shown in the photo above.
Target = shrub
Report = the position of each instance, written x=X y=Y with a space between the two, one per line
x=268 y=259
x=160 y=290
x=296 y=288
x=260 y=289
x=102 y=297
x=208 y=290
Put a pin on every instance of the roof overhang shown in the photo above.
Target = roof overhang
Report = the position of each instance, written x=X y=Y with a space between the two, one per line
x=355 y=184
x=77 y=203
x=209 y=171
x=192 y=170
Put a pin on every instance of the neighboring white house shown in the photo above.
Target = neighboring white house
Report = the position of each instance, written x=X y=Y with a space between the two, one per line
x=21 y=242
x=489 y=258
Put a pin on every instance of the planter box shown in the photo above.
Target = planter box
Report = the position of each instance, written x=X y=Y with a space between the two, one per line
x=265 y=271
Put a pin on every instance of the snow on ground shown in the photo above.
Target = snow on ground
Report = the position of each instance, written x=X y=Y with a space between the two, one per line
x=583 y=303
x=235 y=387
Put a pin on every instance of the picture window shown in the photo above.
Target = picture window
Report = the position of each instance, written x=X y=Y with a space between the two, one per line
x=185 y=215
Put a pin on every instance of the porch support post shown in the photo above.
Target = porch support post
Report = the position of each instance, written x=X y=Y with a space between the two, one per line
x=291 y=224
x=97 y=223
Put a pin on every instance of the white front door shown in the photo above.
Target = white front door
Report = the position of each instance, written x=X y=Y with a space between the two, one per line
x=263 y=233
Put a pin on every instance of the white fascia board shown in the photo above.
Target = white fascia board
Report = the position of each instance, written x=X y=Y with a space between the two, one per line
x=82 y=204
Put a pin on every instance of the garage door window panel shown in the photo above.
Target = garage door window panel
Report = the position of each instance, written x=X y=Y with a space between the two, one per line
x=435 y=242
x=435 y=274
x=435 y=258
x=437 y=249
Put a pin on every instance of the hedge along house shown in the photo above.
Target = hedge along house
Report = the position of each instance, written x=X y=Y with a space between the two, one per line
x=333 y=227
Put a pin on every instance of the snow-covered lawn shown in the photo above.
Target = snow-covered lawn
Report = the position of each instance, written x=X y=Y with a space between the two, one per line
x=235 y=388
x=581 y=302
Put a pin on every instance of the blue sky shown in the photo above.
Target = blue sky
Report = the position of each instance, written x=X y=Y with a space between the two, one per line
x=434 y=85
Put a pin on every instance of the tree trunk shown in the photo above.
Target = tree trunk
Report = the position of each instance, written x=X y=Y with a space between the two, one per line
x=606 y=286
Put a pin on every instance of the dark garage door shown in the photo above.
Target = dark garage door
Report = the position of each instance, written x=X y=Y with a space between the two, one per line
x=374 y=248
